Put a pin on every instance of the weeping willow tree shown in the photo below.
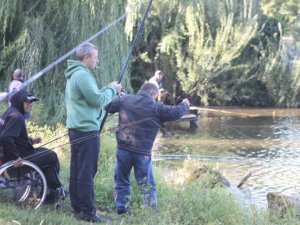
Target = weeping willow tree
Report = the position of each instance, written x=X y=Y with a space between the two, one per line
x=35 y=33
x=287 y=12
x=220 y=50
x=282 y=74
x=208 y=44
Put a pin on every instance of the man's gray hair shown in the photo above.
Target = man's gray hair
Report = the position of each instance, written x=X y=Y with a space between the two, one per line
x=149 y=88
x=158 y=72
x=85 y=49
x=17 y=74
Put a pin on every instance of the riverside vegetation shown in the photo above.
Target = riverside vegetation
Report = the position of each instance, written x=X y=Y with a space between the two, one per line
x=226 y=52
x=201 y=44
x=181 y=200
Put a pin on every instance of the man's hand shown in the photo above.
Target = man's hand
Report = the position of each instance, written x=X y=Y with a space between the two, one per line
x=118 y=86
x=18 y=162
x=37 y=140
x=186 y=101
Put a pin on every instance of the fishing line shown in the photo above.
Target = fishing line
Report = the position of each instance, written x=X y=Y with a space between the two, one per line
x=50 y=66
x=98 y=133
x=122 y=73
x=95 y=134
x=53 y=140
x=62 y=58
x=239 y=132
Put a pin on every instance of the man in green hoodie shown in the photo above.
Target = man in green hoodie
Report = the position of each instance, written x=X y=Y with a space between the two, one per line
x=84 y=103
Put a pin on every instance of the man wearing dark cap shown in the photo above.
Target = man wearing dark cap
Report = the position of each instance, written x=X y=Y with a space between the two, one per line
x=17 y=145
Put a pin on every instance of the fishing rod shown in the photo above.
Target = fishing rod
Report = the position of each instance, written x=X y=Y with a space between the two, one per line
x=122 y=73
x=95 y=134
x=226 y=111
x=62 y=58
x=180 y=98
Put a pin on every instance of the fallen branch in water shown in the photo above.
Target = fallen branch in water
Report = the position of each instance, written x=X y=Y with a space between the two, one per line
x=245 y=178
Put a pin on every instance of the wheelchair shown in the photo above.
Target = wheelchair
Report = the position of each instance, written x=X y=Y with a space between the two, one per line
x=25 y=185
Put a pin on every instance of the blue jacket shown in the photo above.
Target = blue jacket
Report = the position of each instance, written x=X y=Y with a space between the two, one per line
x=139 y=119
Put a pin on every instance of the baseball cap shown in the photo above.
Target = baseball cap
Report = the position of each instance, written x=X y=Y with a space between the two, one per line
x=31 y=98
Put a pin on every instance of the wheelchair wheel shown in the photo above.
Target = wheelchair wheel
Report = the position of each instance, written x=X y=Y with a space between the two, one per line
x=25 y=185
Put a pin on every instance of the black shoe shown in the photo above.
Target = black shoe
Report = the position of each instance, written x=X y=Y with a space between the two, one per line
x=50 y=197
x=76 y=215
x=61 y=193
x=55 y=195
x=94 y=218
x=124 y=211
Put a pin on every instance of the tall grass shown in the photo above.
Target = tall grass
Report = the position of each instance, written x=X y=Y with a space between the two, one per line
x=180 y=200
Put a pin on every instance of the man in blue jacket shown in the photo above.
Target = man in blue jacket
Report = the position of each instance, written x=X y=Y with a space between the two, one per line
x=139 y=119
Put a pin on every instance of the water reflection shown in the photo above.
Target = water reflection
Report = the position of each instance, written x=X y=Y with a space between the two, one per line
x=264 y=141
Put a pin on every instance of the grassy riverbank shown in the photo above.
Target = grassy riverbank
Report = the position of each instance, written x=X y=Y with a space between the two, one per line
x=181 y=200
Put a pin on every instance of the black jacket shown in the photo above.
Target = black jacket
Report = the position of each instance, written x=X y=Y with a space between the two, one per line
x=13 y=132
x=139 y=119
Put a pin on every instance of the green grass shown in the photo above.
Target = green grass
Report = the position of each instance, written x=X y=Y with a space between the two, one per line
x=180 y=200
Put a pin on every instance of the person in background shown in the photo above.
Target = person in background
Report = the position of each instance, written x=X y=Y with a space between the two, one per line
x=17 y=81
x=84 y=104
x=15 y=86
x=156 y=79
x=17 y=145
x=135 y=141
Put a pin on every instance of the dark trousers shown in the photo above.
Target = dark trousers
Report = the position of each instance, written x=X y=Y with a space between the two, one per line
x=142 y=165
x=83 y=168
x=48 y=162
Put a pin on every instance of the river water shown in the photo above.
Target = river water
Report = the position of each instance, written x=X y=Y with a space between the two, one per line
x=263 y=141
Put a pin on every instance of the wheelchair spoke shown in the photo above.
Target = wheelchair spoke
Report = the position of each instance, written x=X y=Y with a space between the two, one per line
x=24 y=185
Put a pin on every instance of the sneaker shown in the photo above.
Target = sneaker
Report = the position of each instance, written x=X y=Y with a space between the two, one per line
x=94 y=218
x=3 y=182
x=55 y=195
x=61 y=193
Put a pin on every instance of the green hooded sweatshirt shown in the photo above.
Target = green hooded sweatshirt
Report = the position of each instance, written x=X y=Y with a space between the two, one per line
x=84 y=101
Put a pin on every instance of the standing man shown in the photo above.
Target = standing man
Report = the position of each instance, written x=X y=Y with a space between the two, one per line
x=84 y=103
x=157 y=79
x=135 y=141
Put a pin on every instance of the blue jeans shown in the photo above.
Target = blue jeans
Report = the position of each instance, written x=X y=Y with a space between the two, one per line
x=84 y=158
x=142 y=165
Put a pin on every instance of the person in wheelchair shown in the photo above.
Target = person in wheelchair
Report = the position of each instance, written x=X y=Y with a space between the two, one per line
x=17 y=145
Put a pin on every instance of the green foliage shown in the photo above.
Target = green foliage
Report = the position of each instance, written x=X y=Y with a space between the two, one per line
x=35 y=33
x=189 y=202
x=205 y=43
x=287 y=12
x=220 y=50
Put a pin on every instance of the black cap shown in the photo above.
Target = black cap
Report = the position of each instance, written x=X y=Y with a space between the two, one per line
x=31 y=98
